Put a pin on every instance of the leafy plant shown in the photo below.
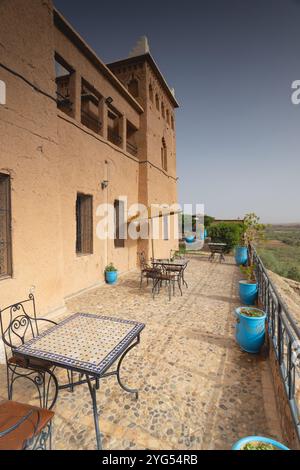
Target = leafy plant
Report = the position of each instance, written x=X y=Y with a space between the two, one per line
x=249 y=272
x=254 y=232
x=208 y=220
x=226 y=232
x=251 y=312
x=254 y=445
x=110 y=268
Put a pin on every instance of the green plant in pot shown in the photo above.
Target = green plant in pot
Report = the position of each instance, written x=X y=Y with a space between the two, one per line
x=258 y=443
x=254 y=232
x=248 y=287
x=111 y=274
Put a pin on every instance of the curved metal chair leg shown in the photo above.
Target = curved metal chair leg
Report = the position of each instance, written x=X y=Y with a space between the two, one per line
x=127 y=389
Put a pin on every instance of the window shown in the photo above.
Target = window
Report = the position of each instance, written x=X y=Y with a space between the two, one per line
x=90 y=99
x=84 y=224
x=119 y=224
x=168 y=116
x=172 y=123
x=166 y=227
x=131 y=145
x=64 y=73
x=151 y=93
x=5 y=227
x=164 y=156
x=163 y=110
x=113 y=127
x=157 y=102
x=133 y=87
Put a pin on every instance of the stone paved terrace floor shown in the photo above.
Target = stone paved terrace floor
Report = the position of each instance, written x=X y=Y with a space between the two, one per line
x=198 y=390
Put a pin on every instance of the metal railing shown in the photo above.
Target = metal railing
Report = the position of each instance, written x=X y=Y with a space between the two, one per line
x=284 y=334
x=91 y=122
x=114 y=137
x=132 y=149
x=64 y=103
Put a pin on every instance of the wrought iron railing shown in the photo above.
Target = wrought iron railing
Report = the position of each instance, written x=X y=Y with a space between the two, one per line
x=91 y=122
x=114 y=137
x=132 y=149
x=284 y=334
x=64 y=103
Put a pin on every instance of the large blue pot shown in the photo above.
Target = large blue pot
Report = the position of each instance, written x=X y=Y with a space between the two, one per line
x=250 y=331
x=205 y=233
x=248 y=292
x=242 y=442
x=190 y=239
x=241 y=255
x=111 y=277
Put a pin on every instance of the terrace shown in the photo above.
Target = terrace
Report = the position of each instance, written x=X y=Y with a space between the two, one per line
x=198 y=390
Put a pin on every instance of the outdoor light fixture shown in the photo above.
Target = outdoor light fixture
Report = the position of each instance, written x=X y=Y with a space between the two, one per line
x=104 y=184
x=109 y=100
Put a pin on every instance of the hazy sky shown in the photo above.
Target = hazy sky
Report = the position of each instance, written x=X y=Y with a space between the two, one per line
x=232 y=64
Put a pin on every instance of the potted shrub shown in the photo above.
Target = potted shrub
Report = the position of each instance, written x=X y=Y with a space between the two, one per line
x=250 y=328
x=190 y=238
x=253 y=231
x=111 y=274
x=241 y=254
x=258 y=443
x=248 y=287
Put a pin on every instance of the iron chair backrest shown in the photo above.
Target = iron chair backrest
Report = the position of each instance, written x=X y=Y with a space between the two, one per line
x=18 y=324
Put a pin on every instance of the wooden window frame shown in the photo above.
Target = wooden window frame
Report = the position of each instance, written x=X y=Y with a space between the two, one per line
x=118 y=242
x=84 y=224
x=5 y=179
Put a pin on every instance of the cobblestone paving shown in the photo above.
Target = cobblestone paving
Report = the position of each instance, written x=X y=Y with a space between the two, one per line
x=198 y=390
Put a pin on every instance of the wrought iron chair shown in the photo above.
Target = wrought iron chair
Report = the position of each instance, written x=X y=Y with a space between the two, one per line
x=17 y=327
x=24 y=427
x=169 y=279
x=147 y=271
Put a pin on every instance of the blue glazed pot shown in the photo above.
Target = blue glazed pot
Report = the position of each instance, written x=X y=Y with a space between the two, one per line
x=205 y=233
x=248 y=292
x=111 y=277
x=190 y=239
x=242 y=442
x=250 y=331
x=241 y=255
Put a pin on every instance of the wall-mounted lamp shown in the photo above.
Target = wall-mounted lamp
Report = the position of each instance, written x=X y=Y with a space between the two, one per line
x=109 y=100
x=104 y=184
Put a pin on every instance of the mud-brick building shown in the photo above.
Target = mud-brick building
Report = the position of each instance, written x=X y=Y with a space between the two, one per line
x=74 y=134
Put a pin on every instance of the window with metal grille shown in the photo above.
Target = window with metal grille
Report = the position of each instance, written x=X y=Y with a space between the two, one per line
x=5 y=227
x=166 y=227
x=164 y=155
x=119 y=224
x=84 y=224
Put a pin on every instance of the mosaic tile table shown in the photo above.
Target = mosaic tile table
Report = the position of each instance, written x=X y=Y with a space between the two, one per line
x=88 y=344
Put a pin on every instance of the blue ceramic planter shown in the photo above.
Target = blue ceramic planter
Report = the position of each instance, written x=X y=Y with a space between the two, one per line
x=190 y=239
x=241 y=255
x=250 y=331
x=205 y=233
x=248 y=292
x=111 y=277
x=242 y=442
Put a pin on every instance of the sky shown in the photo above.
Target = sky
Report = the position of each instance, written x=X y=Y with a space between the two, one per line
x=232 y=64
